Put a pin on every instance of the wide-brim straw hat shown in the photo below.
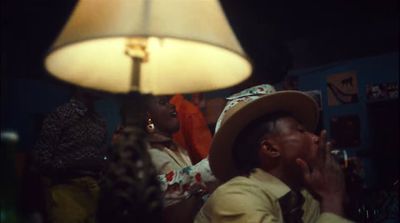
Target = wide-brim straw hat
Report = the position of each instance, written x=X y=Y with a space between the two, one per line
x=248 y=105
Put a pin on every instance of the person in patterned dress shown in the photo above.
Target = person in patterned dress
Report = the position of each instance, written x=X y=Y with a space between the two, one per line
x=70 y=154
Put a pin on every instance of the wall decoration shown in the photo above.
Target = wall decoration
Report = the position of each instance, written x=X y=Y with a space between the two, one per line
x=382 y=91
x=342 y=88
x=345 y=131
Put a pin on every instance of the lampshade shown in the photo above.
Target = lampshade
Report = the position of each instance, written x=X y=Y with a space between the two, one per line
x=189 y=47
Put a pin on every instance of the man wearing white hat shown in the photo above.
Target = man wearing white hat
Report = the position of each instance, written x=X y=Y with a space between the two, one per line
x=271 y=162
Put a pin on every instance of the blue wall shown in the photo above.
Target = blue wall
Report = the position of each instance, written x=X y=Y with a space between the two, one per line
x=370 y=70
x=26 y=102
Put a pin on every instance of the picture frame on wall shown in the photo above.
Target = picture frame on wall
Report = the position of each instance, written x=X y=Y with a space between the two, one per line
x=382 y=91
x=342 y=88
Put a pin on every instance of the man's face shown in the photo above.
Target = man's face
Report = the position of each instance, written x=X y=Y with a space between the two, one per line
x=293 y=141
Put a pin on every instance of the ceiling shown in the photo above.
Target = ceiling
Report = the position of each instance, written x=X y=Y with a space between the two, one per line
x=277 y=35
x=283 y=35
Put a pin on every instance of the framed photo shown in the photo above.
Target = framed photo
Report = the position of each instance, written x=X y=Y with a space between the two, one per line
x=382 y=91
x=342 y=88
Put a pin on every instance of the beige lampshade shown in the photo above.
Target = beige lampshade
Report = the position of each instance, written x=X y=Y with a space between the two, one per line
x=190 y=47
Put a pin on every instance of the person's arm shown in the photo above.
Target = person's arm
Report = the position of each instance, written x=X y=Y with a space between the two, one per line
x=183 y=211
x=325 y=180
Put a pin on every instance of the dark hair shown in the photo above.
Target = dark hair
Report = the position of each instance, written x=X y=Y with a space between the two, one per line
x=133 y=109
x=247 y=143
x=130 y=190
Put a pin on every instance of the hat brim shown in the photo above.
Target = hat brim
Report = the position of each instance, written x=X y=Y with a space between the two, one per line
x=301 y=106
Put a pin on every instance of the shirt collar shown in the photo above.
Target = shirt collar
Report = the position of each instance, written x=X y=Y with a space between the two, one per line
x=270 y=183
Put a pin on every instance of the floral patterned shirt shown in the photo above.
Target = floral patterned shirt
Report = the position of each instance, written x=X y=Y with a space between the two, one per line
x=180 y=184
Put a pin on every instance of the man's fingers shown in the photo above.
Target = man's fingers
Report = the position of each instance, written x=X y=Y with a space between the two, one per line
x=304 y=167
x=323 y=150
x=328 y=147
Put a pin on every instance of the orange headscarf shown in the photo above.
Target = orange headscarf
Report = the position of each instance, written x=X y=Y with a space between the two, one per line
x=194 y=134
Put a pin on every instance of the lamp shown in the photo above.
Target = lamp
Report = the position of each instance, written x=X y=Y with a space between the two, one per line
x=149 y=46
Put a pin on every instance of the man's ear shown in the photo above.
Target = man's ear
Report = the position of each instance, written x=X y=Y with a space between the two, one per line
x=269 y=149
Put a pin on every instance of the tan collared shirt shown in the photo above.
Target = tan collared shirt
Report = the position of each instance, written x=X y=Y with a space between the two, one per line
x=255 y=199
